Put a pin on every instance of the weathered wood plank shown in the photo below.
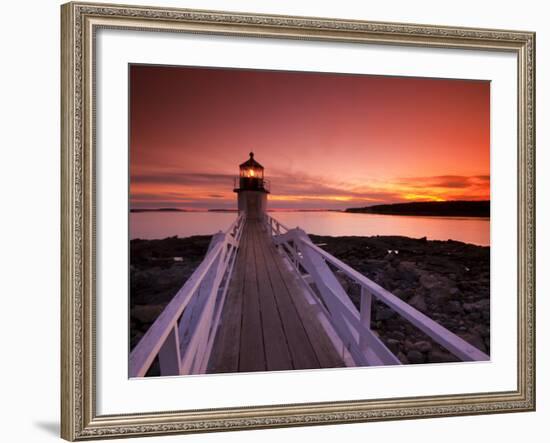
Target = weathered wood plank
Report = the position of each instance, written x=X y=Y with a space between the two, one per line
x=220 y=303
x=225 y=352
x=301 y=350
x=266 y=323
x=251 y=352
x=275 y=343
x=326 y=355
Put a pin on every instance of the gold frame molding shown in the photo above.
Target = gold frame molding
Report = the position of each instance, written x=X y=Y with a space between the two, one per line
x=79 y=22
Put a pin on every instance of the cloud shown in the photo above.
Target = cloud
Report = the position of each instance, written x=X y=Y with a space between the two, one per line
x=154 y=197
x=445 y=181
x=200 y=189
x=182 y=178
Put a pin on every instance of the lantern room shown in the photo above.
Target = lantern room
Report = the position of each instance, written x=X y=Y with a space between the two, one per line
x=251 y=175
x=251 y=168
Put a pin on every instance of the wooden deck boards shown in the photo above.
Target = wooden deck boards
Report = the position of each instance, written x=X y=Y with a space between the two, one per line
x=266 y=322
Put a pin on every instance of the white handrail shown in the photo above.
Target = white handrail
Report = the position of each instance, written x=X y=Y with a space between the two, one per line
x=305 y=255
x=443 y=336
x=204 y=291
x=274 y=226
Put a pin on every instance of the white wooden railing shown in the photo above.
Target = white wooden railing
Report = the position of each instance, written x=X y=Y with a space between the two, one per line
x=353 y=325
x=183 y=334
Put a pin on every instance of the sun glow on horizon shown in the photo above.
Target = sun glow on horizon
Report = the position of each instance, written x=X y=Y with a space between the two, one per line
x=423 y=197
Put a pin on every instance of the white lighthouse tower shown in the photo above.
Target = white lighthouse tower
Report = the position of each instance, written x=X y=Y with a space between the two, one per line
x=252 y=189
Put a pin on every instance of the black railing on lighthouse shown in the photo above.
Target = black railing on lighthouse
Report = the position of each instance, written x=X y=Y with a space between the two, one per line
x=252 y=183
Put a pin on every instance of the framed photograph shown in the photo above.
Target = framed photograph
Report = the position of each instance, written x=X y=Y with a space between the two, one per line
x=281 y=221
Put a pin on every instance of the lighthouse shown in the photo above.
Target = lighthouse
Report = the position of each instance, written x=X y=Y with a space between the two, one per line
x=252 y=189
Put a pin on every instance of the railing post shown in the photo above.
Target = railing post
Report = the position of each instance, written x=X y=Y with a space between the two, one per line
x=169 y=354
x=277 y=229
x=365 y=313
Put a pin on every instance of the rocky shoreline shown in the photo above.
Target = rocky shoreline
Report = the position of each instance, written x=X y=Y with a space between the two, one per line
x=447 y=280
x=158 y=268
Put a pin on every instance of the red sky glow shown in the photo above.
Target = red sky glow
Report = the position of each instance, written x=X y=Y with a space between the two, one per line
x=327 y=141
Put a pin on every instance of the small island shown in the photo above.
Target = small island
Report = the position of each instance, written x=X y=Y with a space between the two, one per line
x=457 y=208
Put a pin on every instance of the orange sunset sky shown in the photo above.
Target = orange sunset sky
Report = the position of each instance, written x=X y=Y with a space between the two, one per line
x=327 y=141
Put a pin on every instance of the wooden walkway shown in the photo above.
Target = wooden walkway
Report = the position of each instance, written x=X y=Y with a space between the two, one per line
x=267 y=323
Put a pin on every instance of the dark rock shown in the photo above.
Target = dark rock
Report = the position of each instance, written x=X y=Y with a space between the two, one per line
x=408 y=271
x=402 y=358
x=397 y=335
x=418 y=302
x=415 y=357
x=474 y=316
x=422 y=346
x=453 y=307
x=400 y=293
x=429 y=281
x=437 y=356
x=484 y=304
x=135 y=337
x=393 y=345
x=475 y=340
x=384 y=314
x=391 y=271
x=146 y=313
x=482 y=331
x=454 y=292
x=393 y=324
x=443 y=292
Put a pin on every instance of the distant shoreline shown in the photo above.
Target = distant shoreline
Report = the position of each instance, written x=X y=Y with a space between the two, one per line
x=463 y=208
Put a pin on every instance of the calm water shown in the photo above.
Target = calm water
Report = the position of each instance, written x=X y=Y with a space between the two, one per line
x=154 y=225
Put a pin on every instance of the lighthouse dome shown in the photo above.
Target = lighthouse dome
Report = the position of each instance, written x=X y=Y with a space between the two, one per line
x=251 y=163
x=251 y=168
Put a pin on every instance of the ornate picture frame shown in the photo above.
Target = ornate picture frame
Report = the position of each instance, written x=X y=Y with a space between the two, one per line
x=80 y=22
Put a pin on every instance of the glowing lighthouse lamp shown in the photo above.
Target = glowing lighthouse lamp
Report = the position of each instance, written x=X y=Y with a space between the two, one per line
x=253 y=189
